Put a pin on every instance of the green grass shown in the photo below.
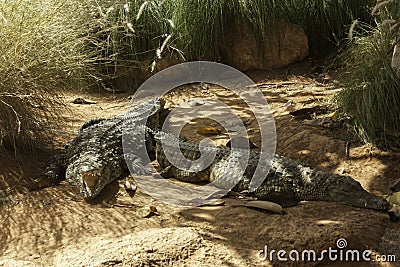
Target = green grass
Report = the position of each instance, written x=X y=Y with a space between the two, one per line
x=371 y=95
x=131 y=34
x=44 y=50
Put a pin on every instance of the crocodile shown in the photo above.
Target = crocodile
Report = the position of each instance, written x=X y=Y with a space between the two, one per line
x=286 y=183
x=95 y=157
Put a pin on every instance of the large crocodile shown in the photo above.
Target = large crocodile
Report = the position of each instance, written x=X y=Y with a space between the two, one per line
x=95 y=158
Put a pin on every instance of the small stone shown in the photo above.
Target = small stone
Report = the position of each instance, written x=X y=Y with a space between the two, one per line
x=130 y=186
x=147 y=211
x=394 y=198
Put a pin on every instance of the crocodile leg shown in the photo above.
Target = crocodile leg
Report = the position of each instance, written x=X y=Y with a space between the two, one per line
x=55 y=171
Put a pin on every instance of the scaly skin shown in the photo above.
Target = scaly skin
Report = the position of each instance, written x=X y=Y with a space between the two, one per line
x=287 y=181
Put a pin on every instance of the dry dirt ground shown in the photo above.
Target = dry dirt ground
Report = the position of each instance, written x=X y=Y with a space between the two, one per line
x=55 y=227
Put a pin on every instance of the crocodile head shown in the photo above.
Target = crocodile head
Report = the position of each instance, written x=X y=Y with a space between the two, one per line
x=91 y=173
x=339 y=188
x=346 y=190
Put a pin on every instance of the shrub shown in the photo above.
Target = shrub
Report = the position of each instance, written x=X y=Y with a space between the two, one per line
x=44 y=48
x=371 y=92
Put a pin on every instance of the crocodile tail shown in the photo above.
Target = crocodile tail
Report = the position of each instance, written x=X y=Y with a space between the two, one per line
x=90 y=122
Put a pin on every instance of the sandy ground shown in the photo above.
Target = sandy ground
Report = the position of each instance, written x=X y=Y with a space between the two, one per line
x=55 y=227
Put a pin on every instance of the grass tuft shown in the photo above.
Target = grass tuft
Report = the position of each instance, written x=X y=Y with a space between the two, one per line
x=44 y=50
x=371 y=95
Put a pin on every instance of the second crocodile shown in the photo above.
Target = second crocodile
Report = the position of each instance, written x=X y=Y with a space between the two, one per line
x=286 y=183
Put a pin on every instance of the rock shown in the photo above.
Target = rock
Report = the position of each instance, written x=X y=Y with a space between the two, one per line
x=288 y=44
x=208 y=131
x=147 y=211
x=390 y=244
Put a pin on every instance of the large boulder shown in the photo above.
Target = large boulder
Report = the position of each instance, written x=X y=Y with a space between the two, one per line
x=287 y=43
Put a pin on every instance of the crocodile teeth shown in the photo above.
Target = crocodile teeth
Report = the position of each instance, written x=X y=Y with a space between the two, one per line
x=91 y=179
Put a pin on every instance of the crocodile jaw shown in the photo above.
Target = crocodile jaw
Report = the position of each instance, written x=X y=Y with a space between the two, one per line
x=349 y=191
x=89 y=173
x=323 y=186
x=90 y=179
